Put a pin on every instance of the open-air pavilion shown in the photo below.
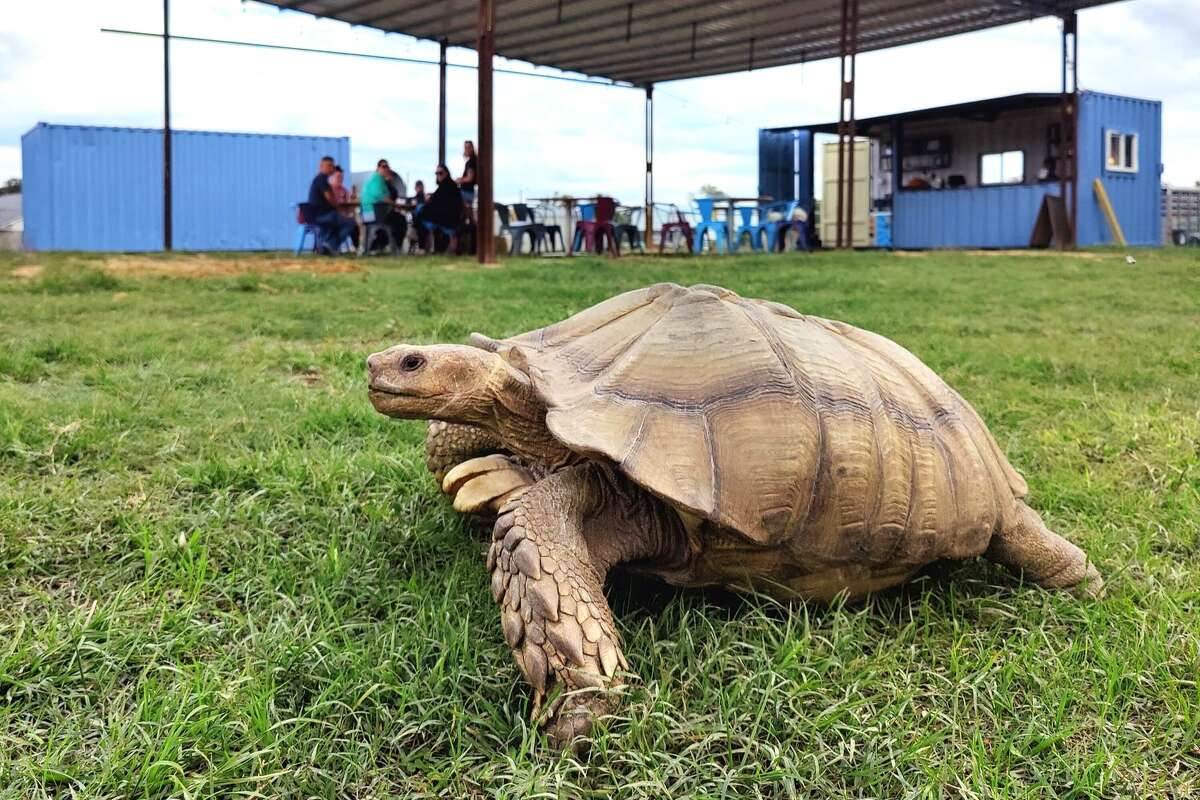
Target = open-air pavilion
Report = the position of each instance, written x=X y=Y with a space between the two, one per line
x=640 y=43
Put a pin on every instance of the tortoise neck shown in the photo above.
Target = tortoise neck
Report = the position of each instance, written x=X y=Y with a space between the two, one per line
x=519 y=419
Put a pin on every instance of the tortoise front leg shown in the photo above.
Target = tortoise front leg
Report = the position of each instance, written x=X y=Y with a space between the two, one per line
x=448 y=444
x=552 y=546
x=549 y=584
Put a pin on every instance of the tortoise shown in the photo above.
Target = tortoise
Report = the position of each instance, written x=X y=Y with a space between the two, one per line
x=708 y=440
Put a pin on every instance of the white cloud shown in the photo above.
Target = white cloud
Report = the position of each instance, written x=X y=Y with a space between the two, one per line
x=56 y=66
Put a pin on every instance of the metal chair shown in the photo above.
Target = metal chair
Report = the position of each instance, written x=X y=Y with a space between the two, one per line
x=628 y=226
x=515 y=229
x=535 y=229
x=306 y=227
x=553 y=230
x=775 y=219
x=747 y=227
x=375 y=225
x=592 y=233
x=679 y=227
x=719 y=228
x=587 y=213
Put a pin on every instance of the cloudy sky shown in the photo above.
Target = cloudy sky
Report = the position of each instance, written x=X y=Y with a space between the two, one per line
x=551 y=136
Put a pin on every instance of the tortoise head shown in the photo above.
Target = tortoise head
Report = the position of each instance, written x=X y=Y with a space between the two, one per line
x=453 y=383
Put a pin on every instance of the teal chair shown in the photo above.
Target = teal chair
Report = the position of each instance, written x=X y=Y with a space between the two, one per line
x=705 y=205
x=748 y=227
x=776 y=229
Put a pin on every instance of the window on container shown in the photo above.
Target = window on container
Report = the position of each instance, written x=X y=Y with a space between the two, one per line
x=1000 y=168
x=1121 y=152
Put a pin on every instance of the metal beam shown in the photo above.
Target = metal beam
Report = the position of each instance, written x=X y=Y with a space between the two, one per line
x=168 y=233
x=852 y=42
x=841 y=125
x=1069 y=126
x=442 y=104
x=648 y=36
x=484 y=223
x=897 y=169
x=649 y=167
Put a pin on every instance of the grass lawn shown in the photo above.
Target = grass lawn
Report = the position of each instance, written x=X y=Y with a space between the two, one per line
x=222 y=574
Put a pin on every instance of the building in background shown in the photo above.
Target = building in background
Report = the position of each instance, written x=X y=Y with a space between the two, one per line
x=11 y=221
x=975 y=174
x=1181 y=214
x=101 y=189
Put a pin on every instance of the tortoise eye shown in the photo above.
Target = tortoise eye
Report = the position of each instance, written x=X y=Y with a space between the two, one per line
x=412 y=363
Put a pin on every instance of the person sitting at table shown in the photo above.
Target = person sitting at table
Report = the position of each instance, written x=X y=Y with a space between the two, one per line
x=444 y=208
x=378 y=203
x=323 y=211
x=341 y=200
x=418 y=201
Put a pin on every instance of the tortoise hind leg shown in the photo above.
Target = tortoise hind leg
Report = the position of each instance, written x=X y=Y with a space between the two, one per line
x=1024 y=543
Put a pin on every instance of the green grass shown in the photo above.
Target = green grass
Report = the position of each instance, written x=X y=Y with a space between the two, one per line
x=222 y=574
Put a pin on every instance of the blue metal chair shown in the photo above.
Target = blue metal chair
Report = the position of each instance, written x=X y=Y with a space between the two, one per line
x=776 y=228
x=587 y=213
x=304 y=228
x=748 y=227
x=801 y=228
x=720 y=229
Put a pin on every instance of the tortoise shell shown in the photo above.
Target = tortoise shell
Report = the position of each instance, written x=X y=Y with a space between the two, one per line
x=766 y=421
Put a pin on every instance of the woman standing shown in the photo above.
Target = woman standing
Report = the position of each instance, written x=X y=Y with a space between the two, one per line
x=466 y=183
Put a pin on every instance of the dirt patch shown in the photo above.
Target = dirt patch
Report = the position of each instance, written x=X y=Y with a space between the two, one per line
x=26 y=273
x=1031 y=253
x=204 y=266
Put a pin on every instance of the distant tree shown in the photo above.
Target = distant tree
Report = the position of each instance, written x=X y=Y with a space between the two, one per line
x=708 y=190
x=11 y=186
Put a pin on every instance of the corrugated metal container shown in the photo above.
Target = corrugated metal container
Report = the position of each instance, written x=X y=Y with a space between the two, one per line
x=981 y=216
x=785 y=165
x=1136 y=196
x=91 y=188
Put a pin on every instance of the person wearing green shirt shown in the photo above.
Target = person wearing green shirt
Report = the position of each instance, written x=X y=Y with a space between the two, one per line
x=378 y=203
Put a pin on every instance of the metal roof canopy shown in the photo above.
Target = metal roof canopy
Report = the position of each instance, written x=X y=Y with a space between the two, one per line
x=652 y=41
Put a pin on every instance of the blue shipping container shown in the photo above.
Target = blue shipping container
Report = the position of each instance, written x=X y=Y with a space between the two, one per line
x=1136 y=194
x=92 y=188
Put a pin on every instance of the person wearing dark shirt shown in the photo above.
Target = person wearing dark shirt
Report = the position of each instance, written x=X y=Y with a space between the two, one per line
x=470 y=173
x=323 y=212
x=444 y=208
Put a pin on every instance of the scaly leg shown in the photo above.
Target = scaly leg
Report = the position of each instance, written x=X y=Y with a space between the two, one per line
x=448 y=444
x=1025 y=543
x=469 y=465
x=552 y=548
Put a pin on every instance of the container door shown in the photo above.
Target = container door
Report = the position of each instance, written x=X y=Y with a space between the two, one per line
x=804 y=169
x=861 y=194
x=777 y=164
